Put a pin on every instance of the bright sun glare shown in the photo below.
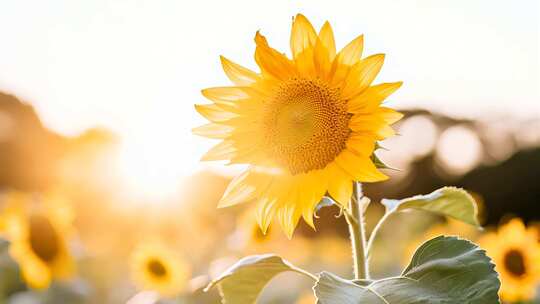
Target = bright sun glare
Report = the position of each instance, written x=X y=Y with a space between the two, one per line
x=149 y=167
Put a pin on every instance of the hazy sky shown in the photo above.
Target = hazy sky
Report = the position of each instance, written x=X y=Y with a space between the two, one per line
x=137 y=66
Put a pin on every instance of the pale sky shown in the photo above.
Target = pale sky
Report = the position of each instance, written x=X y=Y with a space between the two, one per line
x=137 y=67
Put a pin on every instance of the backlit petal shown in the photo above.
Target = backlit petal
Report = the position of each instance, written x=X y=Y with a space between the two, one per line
x=362 y=75
x=303 y=35
x=390 y=116
x=213 y=130
x=238 y=74
x=361 y=144
x=340 y=185
x=271 y=62
x=361 y=168
x=245 y=187
x=326 y=35
x=222 y=151
x=321 y=59
x=214 y=113
x=372 y=97
x=352 y=52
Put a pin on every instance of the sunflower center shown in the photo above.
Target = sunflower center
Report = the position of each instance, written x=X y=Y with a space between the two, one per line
x=306 y=125
x=43 y=238
x=157 y=268
x=514 y=262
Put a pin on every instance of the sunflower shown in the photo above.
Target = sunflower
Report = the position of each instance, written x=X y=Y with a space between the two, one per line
x=306 y=126
x=155 y=267
x=516 y=253
x=251 y=235
x=39 y=230
x=249 y=239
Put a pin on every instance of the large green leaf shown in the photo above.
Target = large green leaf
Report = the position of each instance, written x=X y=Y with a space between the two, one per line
x=444 y=270
x=243 y=282
x=448 y=201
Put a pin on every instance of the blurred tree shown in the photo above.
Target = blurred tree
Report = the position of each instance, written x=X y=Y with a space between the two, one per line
x=28 y=151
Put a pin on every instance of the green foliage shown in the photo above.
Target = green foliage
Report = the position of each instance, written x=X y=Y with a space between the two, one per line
x=448 y=201
x=443 y=270
x=243 y=282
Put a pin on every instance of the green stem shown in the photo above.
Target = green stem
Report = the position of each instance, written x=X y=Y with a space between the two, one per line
x=355 y=219
x=375 y=231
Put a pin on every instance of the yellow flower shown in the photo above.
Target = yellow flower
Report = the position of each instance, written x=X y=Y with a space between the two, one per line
x=249 y=238
x=155 y=267
x=516 y=253
x=39 y=231
x=307 y=126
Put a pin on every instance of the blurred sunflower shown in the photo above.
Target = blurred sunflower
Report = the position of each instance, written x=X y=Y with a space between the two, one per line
x=155 y=267
x=333 y=250
x=39 y=230
x=307 y=126
x=251 y=236
x=516 y=253
x=250 y=240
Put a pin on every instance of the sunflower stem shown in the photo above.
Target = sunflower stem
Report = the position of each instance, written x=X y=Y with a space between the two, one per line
x=355 y=220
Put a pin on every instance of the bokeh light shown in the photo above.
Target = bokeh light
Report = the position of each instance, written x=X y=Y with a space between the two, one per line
x=459 y=149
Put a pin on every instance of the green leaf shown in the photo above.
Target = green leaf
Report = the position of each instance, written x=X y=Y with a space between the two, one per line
x=243 y=282
x=448 y=201
x=444 y=270
x=325 y=202
x=379 y=163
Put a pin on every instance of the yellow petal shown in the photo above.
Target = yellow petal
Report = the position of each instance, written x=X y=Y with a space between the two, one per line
x=326 y=35
x=238 y=74
x=366 y=122
x=321 y=59
x=222 y=151
x=305 y=62
x=371 y=123
x=362 y=75
x=244 y=187
x=229 y=95
x=390 y=116
x=340 y=185
x=271 y=200
x=266 y=209
x=213 y=130
x=64 y=267
x=385 y=132
x=36 y=275
x=295 y=207
x=247 y=154
x=352 y=52
x=372 y=97
x=312 y=187
x=34 y=271
x=303 y=35
x=214 y=113
x=345 y=59
x=272 y=62
x=360 y=168
x=361 y=144
x=288 y=217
